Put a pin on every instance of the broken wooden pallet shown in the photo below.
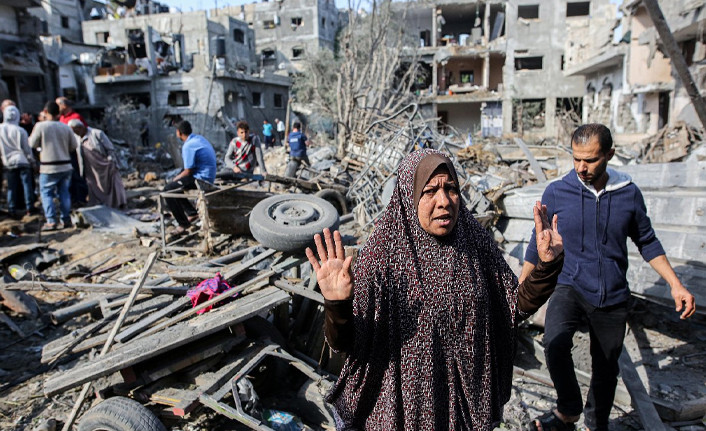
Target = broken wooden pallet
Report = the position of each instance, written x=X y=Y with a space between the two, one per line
x=168 y=339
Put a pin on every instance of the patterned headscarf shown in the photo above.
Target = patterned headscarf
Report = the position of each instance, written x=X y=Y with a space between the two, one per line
x=434 y=323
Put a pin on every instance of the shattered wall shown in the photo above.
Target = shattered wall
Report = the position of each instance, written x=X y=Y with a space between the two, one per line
x=286 y=31
x=648 y=66
x=541 y=37
x=63 y=18
x=586 y=35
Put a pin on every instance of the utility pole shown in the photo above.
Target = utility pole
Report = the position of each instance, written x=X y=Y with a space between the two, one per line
x=674 y=53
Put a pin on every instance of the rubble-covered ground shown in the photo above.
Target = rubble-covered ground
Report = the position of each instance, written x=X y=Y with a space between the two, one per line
x=669 y=354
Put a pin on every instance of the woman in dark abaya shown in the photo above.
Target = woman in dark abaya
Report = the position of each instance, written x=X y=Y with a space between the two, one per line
x=428 y=315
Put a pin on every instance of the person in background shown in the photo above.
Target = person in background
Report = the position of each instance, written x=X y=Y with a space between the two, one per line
x=57 y=142
x=600 y=209
x=199 y=163
x=429 y=314
x=79 y=188
x=297 y=142
x=17 y=162
x=99 y=166
x=268 y=134
x=244 y=151
x=279 y=124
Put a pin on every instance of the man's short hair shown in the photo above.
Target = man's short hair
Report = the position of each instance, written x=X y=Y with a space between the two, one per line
x=52 y=108
x=75 y=122
x=297 y=125
x=243 y=125
x=584 y=133
x=63 y=101
x=184 y=127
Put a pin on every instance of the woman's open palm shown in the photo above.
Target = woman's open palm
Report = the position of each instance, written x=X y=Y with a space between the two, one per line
x=334 y=273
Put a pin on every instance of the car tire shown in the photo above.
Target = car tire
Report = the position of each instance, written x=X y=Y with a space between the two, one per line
x=288 y=222
x=120 y=414
x=335 y=198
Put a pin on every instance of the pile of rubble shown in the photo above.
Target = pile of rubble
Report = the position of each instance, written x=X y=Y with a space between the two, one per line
x=220 y=329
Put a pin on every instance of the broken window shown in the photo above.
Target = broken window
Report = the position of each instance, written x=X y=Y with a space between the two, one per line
x=137 y=99
x=297 y=22
x=278 y=101
x=268 y=24
x=102 y=37
x=323 y=22
x=136 y=43
x=256 y=99
x=269 y=57
x=178 y=98
x=530 y=11
x=581 y=8
x=297 y=52
x=466 y=77
x=688 y=48
x=64 y=21
x=528 y=115
x=569 y=113
x=239 y=35
x=528 y=63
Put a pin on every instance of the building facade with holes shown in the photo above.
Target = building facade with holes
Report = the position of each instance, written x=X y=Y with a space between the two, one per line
x=187 y=66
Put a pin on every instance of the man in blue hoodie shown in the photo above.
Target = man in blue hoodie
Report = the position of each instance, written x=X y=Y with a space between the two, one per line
x=598 y=210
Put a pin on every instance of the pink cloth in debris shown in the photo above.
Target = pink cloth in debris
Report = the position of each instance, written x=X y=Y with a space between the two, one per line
x=207 y=289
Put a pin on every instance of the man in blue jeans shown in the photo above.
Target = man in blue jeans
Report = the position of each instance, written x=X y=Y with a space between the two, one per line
x=598 y=210
x=199 y=163
x=297 y=143
x=17 y=162
x=57 y=143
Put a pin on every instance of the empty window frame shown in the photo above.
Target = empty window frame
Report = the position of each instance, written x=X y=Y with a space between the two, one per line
x=239 y=35
x=297 y=52
x=297 y=21
x=529 y=63
x=529 y=11
x=178 y=98
x=268 y=54
x=279 y=101
x=323 y=22
x=256 y=99
x=466 y=77
x=579 y=8
x=64 y=21
x=102 y=37
x=268 y=24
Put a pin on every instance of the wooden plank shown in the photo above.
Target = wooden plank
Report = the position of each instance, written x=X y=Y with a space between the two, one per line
x=52 y=348
x=136 y=328
x=306 y=293
x=231 y=272
x=89 y=287
x=168 y=339
x=641 y=400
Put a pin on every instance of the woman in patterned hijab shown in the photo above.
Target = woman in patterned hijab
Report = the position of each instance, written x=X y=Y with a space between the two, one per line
x=428 y=315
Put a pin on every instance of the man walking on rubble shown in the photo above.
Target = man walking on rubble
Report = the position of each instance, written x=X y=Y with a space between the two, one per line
x=99 y=166
x=279 y=124
x=599 y=209
x=268 y=134
x=17 y=162
x=199 y=163
x=57 y=143
x=297 y=142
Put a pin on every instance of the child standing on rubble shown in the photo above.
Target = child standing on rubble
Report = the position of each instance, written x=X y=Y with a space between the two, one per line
x=244 y=151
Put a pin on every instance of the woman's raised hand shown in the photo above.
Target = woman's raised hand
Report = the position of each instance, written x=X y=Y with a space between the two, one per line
x=334 y=273
x=549 y=242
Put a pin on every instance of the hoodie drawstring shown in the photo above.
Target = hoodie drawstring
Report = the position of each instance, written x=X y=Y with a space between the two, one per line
x=582 y=215
x=607 y=219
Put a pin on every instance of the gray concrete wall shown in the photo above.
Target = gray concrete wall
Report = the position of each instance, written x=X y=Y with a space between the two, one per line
x=8 y=20
x=52 y=12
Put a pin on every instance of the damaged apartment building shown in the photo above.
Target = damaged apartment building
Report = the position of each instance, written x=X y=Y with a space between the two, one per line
x=185 y=66
x=497 y=67
x=287 y=30
x=23 y=67
x=630 y=84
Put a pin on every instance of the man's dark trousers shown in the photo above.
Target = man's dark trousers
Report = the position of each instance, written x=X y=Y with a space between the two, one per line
x=566 y=312
x=181 y=208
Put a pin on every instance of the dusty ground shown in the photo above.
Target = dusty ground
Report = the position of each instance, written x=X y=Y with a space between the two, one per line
x=669 y=353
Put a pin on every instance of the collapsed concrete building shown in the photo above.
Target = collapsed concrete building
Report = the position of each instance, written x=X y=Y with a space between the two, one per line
x=631 y=85
x=184 y=66
x=498 y=67
x=23 y=67
x=287 y=30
